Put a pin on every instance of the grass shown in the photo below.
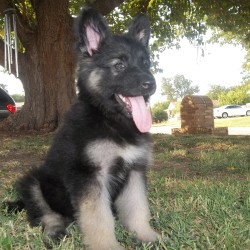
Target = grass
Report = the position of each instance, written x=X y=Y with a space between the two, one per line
x=228 y=122
x=233 y=122
x=198 y=194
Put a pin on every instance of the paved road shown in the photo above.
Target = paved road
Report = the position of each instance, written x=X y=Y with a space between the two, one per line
x=239 y=131
x=231 y=131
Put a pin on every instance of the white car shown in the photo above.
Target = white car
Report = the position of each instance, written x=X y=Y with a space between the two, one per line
x=231 y=110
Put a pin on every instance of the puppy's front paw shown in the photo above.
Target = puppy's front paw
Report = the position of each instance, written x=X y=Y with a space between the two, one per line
x=148 y=236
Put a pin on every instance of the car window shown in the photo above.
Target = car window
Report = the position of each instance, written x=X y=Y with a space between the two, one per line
x=233 y=107
x=4 y=97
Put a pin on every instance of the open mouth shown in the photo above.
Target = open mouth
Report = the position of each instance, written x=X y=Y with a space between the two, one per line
x=136 y=108
x=124 y=101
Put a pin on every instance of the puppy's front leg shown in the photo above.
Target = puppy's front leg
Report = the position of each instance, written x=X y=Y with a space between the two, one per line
x=132 y=208
x=96 y=221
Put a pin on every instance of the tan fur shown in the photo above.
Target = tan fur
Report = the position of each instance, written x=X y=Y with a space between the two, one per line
x=133 y=208
x=96 y=221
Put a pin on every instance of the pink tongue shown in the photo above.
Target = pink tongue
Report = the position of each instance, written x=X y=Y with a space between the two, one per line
x=141 y=114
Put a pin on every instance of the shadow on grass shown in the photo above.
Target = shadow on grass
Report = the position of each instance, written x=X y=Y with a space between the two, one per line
x=198 y=193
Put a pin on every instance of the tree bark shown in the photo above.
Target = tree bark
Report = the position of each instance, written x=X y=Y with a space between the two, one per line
x=47 y=66
x=47 y=69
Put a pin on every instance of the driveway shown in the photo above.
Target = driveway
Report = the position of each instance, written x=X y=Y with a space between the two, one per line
x=231 y=131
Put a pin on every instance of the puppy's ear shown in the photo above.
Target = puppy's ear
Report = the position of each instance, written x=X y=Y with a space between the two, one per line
x=92 y=28
x=140 y=29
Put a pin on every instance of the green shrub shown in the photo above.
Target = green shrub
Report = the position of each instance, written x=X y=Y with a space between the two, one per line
x=159 y=112
x=18 y=97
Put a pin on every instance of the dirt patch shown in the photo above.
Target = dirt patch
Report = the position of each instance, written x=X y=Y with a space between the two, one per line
x=16 y=166
x=15 y=157
x=177 y=157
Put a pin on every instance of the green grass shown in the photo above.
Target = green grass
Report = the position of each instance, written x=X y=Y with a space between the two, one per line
x=233 y=122
x=202 y=213
x=198 y=194
x=37 y=144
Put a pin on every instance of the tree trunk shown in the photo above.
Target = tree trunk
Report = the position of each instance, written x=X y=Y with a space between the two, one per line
x=47 y=69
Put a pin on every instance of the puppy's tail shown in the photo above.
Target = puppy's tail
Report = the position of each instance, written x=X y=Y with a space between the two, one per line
x=13 y=206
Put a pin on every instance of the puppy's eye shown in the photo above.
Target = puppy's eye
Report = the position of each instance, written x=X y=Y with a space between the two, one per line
x=120 y=66
x=146 y=63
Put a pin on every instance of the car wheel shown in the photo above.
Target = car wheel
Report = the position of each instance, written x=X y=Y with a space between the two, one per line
x=248 y=113
x=224 y=115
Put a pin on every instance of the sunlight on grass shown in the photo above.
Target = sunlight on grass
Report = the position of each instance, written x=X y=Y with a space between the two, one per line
x=202 y=213
x=198 y=194
x=230 y=160
x=39 y=144
x=233 y=122
x=179 y=153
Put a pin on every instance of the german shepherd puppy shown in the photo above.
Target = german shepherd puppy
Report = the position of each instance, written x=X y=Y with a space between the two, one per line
x=97 y=163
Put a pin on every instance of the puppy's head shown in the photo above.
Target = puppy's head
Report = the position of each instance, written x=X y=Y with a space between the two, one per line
x=114 y=70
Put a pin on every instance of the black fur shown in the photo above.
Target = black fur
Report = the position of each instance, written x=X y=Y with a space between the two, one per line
x=107 y=66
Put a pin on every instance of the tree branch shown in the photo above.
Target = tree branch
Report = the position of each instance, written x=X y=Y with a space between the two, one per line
x=34 y=4
x=144 y=6
x=24 y=31
x=104 y=6
x=4 y=4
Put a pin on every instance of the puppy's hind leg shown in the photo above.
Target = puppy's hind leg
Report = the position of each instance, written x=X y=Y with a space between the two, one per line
x=132 y=208
x=38 y=210
x=53 y=223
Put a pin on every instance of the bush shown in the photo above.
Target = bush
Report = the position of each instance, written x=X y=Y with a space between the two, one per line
x=18 y=98
x=158 y=112
x=238 y=95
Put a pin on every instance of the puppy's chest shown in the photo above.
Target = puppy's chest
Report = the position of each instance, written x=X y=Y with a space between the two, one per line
x=104 y=153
